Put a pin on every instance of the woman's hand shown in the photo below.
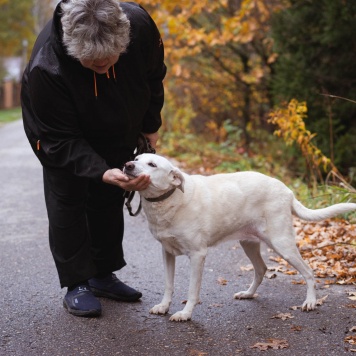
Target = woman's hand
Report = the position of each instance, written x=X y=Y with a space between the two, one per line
x=116 y=177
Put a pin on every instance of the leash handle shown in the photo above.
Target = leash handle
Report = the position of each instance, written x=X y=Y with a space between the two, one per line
x=129 y=196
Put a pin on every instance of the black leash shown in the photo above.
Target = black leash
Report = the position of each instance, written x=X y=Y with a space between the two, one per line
x=143 y=146
x=129 y=196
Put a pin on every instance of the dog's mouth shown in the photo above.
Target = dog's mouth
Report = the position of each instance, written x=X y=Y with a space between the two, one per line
x=129 y=170
x=129 y=174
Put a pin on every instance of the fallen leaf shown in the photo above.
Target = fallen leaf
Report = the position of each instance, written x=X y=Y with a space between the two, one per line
x=246 y=268
x=329 y=281
x=222 y=281
x=296 y=307
x=296 y=328
x=276 y=269
x=271 y=344
x=196 y=353
x=291 y=272
x=352 y=295
x=276 y=259
x=270 y=275
x=283 y=316
x=353 y=329
x=351 y=339
x=321 y=300
x=302 y=281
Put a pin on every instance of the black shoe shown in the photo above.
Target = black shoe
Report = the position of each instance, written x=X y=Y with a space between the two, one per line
x=81 y=302
x=111 y=287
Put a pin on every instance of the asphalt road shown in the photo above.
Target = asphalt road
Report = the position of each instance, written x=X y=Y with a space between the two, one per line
x=33 y=321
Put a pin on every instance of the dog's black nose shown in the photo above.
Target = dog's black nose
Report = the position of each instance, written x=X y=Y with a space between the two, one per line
x=129 y=166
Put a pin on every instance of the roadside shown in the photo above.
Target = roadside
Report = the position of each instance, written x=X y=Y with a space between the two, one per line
x=33 y=321
x=9 y=115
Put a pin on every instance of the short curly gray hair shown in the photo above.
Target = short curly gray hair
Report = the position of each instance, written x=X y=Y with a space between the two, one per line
x=94 y=29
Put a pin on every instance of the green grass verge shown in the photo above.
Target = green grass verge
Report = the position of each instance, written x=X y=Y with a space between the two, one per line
x=9 y=115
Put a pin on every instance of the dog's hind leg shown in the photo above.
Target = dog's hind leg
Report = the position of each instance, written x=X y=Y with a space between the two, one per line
x=252 y=250
x=169 y=261
x=197 y=260
x=287 y=249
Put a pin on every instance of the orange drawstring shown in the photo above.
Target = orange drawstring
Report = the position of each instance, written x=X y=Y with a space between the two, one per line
x=95 y=87
x=108 y=76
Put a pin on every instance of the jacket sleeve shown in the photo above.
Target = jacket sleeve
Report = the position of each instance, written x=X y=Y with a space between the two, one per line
x=156 y=73
x=61 y=142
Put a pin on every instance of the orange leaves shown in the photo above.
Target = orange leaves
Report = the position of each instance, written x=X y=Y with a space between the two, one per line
x=283 y=316
x=274 y=344
x=218 y=53
x=329 y=247
x=222 y=281
x=215 y=129
x=351 y=339
x=182 y=18
x=189 y=26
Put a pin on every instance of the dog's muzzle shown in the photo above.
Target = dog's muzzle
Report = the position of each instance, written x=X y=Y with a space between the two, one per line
x=129 y=168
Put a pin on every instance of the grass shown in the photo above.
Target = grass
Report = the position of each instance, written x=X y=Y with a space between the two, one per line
x=8 y=115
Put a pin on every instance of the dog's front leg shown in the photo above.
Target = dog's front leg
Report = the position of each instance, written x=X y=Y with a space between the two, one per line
x=169 y=261
x=197 y=260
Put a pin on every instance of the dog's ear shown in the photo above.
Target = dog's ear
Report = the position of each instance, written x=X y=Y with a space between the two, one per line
x=178 y=178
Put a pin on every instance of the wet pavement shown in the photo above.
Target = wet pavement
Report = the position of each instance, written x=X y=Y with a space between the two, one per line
x=33 y=321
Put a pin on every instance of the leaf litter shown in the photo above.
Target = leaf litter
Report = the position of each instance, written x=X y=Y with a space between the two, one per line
x=329 y=247
x=274 y=344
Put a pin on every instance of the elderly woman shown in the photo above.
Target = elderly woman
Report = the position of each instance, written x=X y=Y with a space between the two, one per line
x=92 y=85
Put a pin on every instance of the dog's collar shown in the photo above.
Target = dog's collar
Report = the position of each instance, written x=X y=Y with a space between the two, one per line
x=161 y=197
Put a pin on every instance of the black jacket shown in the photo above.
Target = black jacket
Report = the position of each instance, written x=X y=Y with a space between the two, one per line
x=67 y=126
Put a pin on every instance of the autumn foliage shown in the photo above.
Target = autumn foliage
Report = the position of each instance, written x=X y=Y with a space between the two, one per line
x=222 y=58
x=219 y=60
x=290 y=125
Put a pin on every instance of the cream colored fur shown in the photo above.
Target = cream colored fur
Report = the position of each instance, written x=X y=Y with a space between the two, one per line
x=204 y=211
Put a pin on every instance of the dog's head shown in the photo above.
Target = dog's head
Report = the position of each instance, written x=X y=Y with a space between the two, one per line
x=164 y=176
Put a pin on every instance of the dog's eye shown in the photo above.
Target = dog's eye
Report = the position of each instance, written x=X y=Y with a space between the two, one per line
x=152 y=165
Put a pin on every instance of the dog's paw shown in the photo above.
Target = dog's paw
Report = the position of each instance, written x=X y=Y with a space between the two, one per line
x=181 y=316
x=309 y=305
x=159 y=309
x=244 y=295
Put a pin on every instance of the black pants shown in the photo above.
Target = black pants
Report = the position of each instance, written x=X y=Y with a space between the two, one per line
x=86 y=226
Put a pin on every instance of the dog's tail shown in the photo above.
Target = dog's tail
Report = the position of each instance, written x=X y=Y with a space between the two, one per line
x=304 y=213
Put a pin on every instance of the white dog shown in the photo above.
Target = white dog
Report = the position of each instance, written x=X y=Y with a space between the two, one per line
x=189 y=213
